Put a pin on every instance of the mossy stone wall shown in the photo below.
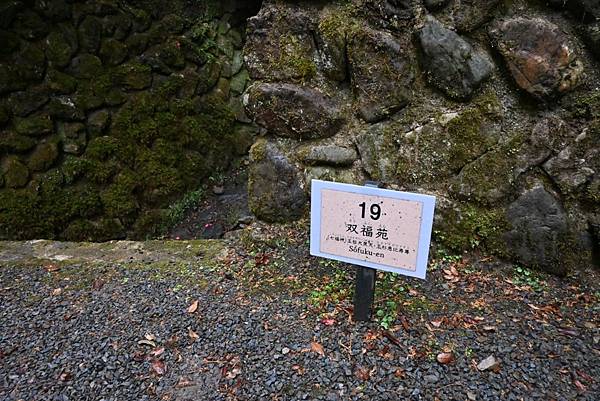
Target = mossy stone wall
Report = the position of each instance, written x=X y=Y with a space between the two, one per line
x=111 y=110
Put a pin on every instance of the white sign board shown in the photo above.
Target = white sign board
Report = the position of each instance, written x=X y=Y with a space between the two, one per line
x=372 y=227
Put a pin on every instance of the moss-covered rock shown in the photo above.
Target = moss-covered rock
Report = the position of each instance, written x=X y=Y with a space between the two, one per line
x=98 y=122
x=23 y=103
x=44 y=155
x=86 y=66
x=461 y=226
x=16 y=174
x=11 y=142
x=383 y=71
x=90 y=34
x=64 y=108
x=30 y=25
x=112 y=52
x=103 y=229
x=58 y=49
x=134 y=76
x=60 y=83
x=137 y=43
x=35 y=125
x=118 y=25
x=275 y=190
x=10 y=41
x=73 y=137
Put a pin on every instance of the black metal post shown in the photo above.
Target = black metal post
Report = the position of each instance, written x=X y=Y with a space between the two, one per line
x=364 y=292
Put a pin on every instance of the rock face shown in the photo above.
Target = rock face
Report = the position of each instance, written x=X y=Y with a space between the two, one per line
x=382 y=73
x=452 y=64
x=274 y=189
x=471 y=14
x=541 y=58
x=539 y=232
x=327 y=155
x=293 y=111
x=110 y=111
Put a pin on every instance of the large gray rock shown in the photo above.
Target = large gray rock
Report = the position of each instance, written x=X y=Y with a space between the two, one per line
x=279 y=45
x=293 y=111
x=332 y=155
x=377 y=153
x=540 y=235
x=274 y=190
x=451 y=62
x=541 y=58
x=575 y=165
x=382 y=70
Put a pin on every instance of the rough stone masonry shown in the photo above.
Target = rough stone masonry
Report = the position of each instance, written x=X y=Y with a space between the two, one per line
x=493 y=107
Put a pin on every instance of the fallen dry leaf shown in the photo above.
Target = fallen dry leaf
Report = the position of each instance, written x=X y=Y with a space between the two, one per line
x=184 y=382
x=362 y=373
x=193 y=307
x=580 y=386
x=318 y=348
x=159 y=367
x=98 y=284
x=399 y=373
x=50 y=268
x=445 y=358
x=157 y=351
x=299 y=369
x=436 y=323
x=193 y=335
x=65 y=376
x=57 y=291
x=328 y=322
x=388 y=334
x=149 y=337
x=148 y=343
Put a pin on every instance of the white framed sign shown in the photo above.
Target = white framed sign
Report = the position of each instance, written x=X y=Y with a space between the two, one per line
x=377 y=228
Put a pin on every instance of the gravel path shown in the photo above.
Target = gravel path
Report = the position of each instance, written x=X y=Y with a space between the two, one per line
x=125 y=326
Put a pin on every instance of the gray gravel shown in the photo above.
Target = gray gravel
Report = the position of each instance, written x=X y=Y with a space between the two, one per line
x=254 y=340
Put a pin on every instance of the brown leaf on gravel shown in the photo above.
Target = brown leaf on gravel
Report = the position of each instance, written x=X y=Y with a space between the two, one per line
x=65 y=376
x=318 y=348
x=299 y=369
x=404 y=323
x=184 y=382
x=159 y=367
x=261 y=259
x=400 y=373
x=157 y=351
x=56 y=291
x=51 y=268
x=568 y=331
x=98 y=284
x=362 y=373
x=585 y=376
x=193 y=307
x=445 y=358
x=193 y=335
x=580 y=386
x=139 y=356
x=387 y=334
x=436 y=323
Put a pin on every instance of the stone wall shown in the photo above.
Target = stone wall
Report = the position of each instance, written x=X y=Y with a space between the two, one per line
x=492 y=106
x=110 y=110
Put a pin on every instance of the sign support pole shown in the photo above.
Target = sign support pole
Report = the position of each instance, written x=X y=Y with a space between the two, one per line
x=364 y=291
